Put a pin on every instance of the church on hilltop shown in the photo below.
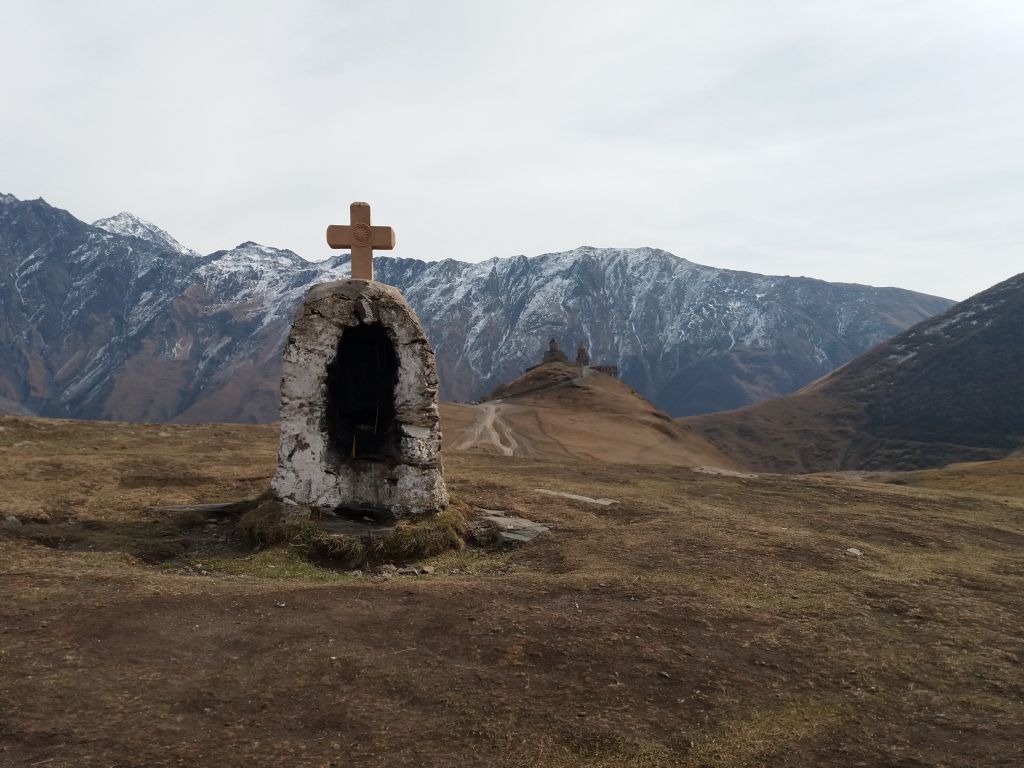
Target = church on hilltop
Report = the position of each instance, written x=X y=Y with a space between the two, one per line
x=554 y=354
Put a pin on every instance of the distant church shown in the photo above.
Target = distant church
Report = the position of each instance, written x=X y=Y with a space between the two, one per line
x=554 y=354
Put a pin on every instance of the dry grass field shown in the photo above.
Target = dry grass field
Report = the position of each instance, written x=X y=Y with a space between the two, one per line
x=702 y=620
x=1004 y=477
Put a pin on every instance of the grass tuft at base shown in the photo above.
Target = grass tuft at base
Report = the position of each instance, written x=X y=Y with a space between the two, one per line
x=413 y=539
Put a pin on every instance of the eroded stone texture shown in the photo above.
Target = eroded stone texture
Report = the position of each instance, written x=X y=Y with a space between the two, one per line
x=313 y=470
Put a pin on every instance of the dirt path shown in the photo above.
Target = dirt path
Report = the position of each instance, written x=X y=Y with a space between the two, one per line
x=493 y=432
x=490 y=431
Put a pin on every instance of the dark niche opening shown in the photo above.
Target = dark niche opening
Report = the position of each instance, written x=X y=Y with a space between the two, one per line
x=361 y=395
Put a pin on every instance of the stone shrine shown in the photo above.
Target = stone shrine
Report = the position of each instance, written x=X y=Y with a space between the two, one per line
x=360 y=430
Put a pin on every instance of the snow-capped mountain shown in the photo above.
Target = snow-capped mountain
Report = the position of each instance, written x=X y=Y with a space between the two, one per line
x=125 y=223
x=118 y=320
x=691 y=338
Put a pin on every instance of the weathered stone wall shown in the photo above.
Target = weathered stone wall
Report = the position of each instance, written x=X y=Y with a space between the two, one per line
x=310 y=473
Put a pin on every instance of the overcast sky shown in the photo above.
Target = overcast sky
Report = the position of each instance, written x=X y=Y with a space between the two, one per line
x=864 y=141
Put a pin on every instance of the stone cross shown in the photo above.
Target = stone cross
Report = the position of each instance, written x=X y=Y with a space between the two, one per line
x=362 y=239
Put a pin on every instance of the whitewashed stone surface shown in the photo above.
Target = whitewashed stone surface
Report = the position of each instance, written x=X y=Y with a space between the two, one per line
x=312 y=475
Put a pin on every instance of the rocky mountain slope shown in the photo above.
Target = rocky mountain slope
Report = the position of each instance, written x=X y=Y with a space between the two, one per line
x=118 y=320
x=949 y=389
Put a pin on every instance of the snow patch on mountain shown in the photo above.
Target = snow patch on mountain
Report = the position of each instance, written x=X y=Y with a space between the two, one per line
x=126 y=223
x=264 y=280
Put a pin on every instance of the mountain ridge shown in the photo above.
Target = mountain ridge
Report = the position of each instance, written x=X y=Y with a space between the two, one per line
x=105 y=324
x=125 y=223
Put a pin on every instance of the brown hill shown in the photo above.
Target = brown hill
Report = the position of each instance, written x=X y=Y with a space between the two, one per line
x=553 y=411
x=538 y=378
x=949 y=389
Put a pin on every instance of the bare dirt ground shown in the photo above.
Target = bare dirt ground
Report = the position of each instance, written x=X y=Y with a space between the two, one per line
x=490 y=431
x=703 y=620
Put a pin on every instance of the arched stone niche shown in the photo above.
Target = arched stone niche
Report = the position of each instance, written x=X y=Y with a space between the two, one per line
x=360 y=432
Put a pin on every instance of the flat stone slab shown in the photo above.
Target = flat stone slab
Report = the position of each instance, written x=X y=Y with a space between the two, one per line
x=577 y=497
x=510 y=528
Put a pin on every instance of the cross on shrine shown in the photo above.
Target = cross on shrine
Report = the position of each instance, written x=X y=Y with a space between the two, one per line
x=362 y=238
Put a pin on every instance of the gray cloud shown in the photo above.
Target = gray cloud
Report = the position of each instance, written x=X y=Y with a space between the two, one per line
x=867 y=141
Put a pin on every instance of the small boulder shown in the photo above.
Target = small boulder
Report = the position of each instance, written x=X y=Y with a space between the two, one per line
x=853 y=552
x=511 y=530
x=12 y=522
